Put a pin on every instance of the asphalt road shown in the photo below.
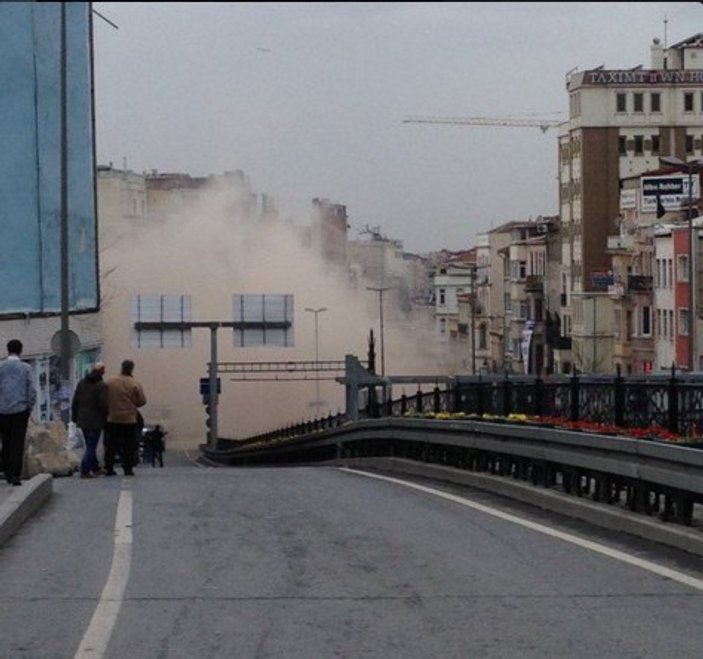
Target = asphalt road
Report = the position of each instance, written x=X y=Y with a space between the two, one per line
x=190 y=561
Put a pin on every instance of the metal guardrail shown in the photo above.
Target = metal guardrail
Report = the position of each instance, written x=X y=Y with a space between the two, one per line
x=647 y=476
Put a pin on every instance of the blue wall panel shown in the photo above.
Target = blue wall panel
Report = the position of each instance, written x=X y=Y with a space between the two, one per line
x=30 y=158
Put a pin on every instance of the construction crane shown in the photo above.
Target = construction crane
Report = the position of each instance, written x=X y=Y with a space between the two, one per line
x=543 y=124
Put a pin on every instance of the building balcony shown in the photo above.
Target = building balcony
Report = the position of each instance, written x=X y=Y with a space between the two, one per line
x=620 y=243
x=640 y=283
x=562 y=343
x=534 y=284
x=616 y=291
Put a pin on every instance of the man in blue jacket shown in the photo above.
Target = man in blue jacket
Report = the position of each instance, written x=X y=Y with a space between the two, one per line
x=17 y=397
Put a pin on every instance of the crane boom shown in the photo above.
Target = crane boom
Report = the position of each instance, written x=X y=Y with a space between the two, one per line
x=542 y=124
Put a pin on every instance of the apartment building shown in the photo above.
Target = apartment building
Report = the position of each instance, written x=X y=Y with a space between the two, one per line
x=329 y=227
x=620 y=122
x=453 y=277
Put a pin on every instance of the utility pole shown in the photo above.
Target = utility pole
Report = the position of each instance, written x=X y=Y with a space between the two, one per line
x=380 y=292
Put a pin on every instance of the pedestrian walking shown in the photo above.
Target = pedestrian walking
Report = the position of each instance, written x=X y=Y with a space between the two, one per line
x=17 y=397
x=89 y=413
x=124 y=396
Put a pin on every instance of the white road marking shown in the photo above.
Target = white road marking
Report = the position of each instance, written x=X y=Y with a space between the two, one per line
x=97 y=636
x=662 y=571
x=190 y=459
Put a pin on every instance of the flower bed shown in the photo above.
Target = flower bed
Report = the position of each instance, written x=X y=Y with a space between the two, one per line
x=650 y=433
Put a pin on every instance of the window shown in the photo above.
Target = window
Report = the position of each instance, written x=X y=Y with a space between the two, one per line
x=575 y=105
x=689 y=144
x=655 y=102
x=507 y=302
x=638 y=101
x=622 y=145
x=442 y=325
x=670 y=264
x=639 y=145
x=688 y=102
x=683 y=321
x=682 y=268
x=482 y=336
x=519 y=270
x=646 y=321
x=442 y=296
x=621 y=103
x=655 y=145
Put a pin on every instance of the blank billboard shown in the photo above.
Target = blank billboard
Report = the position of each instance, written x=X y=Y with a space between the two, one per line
x=263 y=320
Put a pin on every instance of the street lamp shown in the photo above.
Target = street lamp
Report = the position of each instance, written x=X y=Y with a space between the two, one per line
x=594 y=349
x=688 y=167
x=317 y=402
x=380 y=292
x=473 y=319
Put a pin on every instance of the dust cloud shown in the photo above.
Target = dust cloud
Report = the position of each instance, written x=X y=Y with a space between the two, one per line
x=209 y=253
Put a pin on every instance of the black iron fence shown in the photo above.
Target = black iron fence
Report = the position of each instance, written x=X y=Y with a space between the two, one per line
x=673 y=402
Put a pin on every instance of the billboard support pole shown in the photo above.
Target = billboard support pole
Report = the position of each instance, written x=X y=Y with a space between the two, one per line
x=65 y=345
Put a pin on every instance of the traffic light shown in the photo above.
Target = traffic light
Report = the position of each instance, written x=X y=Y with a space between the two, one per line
x=208 y=412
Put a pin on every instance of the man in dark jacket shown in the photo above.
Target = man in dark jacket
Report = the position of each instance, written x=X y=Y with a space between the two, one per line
x=89 y=413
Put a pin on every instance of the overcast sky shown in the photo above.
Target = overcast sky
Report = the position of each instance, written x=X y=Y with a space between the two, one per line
x=309 y=100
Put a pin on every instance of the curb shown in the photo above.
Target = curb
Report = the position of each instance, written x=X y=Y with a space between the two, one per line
x=22 y=503
x=601 y=515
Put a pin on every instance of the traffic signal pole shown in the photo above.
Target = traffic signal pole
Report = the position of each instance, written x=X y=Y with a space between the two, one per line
x=213 y=395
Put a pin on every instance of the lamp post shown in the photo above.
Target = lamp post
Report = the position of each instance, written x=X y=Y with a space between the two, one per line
x=317 y=311
x=594 y=345
x=380 y=292
x=688 y=168
x=473 y=319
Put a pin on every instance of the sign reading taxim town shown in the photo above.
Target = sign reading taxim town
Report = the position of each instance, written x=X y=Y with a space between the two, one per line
x=672 y=191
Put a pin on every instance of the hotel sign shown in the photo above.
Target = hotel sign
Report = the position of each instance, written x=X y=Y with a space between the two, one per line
x=643 y=77
x=671 y=190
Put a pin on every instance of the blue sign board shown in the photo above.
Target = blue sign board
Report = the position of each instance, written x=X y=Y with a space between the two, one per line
x=30 y=158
